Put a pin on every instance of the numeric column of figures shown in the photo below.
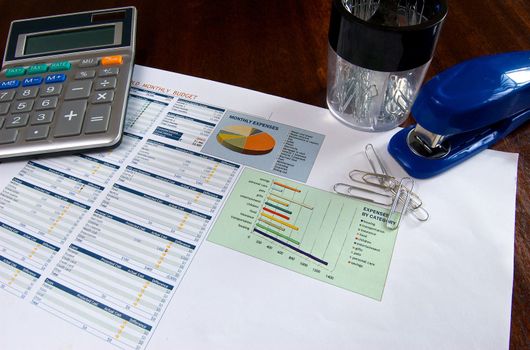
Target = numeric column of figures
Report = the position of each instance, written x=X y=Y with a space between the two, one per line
x=190 y=131
x=198 y=110
x=34 y=223
x=193 y=168
x=83 y=166
x=174 y=191
x=16 y=278
x=118 y=155
x=39 y=212
x=156 y=213
x=120 y=286
x=138 y=246
x=25 y=248
x=143 y=109
x=60 y=183
x=96 y=317
x=190 y=123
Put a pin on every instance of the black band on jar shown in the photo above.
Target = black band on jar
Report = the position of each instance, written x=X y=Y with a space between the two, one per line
x=385 y=48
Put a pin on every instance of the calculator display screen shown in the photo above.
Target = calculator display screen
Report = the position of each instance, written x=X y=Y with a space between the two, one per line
x=68 y=40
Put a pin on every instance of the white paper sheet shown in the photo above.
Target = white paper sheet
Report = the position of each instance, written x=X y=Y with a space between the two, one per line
x=450 y=279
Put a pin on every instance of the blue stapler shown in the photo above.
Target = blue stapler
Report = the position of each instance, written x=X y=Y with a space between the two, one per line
x=464 y=110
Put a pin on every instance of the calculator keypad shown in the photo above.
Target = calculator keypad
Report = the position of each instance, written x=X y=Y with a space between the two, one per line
x=58 y=99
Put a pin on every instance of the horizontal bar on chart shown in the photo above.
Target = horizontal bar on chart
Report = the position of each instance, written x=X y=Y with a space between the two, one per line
x=277 y=207
x=276 y=213
x=292 y=201
x=278 y=234
x=278 y=227
x=278 y=201
x=296 y=228
x=298 y=250
x=286 y=186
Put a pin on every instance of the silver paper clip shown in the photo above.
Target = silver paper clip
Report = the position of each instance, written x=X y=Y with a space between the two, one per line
x=397 y=194
x=355 y=192
x=401 y=203
x=375 y=162
x=383 y=176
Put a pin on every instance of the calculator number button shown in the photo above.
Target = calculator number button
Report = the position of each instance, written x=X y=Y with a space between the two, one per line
x=7 y=95
x=18 y=120
x=8 y=136
x=51 y=90
x=70 y=119
x=102 y=96
x=4 y=108
x=44 y=117
x=22 y=106
x=27 y=93
x=78 y=89
x=35 y=133
x=46 y=103
x=85 y=74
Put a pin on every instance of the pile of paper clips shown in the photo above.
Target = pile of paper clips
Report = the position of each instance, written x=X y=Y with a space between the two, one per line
x=381 y=188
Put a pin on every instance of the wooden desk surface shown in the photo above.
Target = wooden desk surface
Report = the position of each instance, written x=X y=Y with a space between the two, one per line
x=280 y=46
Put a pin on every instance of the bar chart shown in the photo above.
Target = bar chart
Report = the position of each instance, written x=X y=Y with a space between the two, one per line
x=313 y=232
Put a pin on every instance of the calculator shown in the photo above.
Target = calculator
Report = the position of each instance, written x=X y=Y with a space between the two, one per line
x=65 y=81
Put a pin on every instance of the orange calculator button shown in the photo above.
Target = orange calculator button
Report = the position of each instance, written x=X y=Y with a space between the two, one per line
x=111 y=60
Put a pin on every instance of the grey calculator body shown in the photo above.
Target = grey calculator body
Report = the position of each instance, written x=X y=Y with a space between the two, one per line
x=65 y=81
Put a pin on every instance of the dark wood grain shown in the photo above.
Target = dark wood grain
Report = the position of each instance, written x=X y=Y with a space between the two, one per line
x=280 y=47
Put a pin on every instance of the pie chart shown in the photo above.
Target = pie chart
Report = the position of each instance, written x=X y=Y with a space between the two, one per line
x=245 y=139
